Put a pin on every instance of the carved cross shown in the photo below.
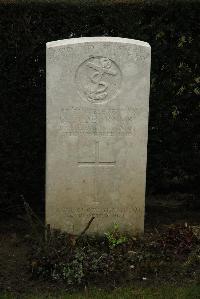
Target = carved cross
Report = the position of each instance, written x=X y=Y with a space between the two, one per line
x=97 y=161
x=95 y=164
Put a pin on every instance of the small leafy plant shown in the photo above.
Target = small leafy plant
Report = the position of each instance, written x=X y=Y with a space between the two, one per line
x=115 y=238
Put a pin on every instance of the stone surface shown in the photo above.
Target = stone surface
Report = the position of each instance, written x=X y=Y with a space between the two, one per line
x=97 y=127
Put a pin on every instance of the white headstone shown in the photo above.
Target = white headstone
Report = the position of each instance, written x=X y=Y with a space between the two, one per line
x=97 y=128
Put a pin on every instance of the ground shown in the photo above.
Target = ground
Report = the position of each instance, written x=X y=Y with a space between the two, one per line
x=16 y=279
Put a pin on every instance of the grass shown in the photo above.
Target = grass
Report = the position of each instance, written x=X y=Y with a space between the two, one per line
x=163 y=292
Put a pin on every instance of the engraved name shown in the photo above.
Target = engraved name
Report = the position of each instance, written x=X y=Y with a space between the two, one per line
x=101 y=122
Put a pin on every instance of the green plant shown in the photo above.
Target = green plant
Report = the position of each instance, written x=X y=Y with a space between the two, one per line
x=193 y=258
x=72 y=271
x=114 y=237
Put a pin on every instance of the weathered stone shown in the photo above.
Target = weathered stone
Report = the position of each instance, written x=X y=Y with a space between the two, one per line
x=97 y=126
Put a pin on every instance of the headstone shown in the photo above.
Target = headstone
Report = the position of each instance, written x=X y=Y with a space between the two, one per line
x=97 y=127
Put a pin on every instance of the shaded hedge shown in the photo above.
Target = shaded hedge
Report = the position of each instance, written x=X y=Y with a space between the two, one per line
x=174 y=137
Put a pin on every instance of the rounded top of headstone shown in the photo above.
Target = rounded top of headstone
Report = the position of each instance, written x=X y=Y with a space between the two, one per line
x=96 y=39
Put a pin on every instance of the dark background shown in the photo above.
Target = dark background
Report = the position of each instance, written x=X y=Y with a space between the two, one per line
x=171 y=28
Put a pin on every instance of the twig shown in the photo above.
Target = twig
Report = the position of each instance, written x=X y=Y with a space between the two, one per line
x=86 y=228
x=30 y=214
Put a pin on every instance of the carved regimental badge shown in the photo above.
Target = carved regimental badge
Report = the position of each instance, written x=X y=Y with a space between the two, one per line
x=98 y=79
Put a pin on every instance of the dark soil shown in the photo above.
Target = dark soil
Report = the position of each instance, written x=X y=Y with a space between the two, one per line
x=15 y=276
x=14 y=248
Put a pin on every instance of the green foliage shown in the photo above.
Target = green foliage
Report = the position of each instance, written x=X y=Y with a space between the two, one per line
x=79 y=260
x=57 y=258
x=71 y=272
x=194 y=259
x=114 y=237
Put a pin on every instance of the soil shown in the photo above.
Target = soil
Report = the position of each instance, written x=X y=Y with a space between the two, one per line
x=14 y=273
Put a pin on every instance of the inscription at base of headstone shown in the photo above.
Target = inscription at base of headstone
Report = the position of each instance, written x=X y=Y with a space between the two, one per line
x=97 y=129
